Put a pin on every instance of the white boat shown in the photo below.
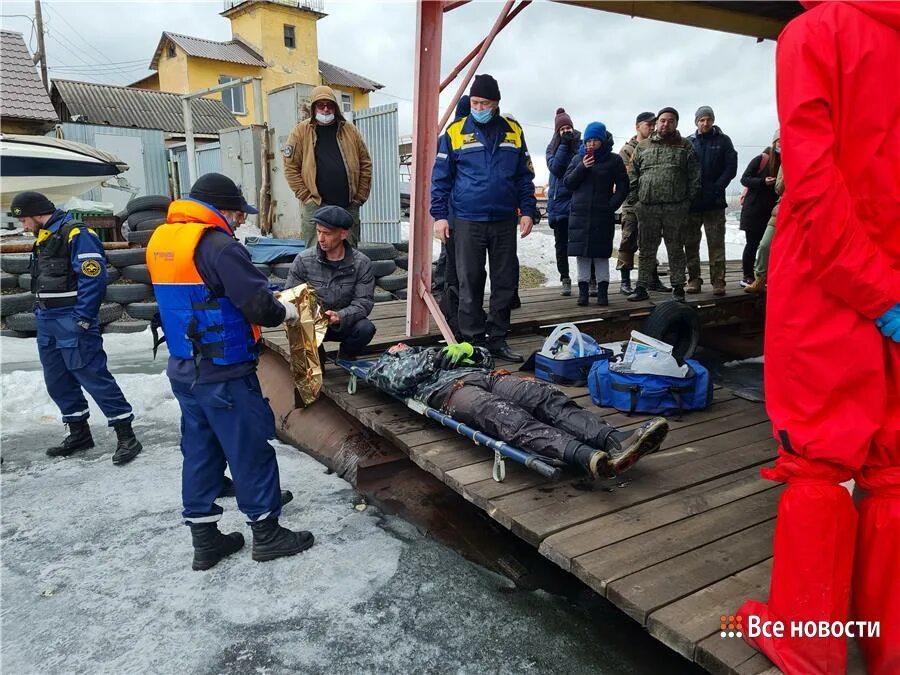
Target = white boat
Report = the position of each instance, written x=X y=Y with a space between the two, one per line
x=57 y=168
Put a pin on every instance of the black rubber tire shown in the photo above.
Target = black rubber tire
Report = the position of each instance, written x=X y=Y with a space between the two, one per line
x=125 y=326
x=381 y=268
x=401 y=246
x=123 y=257
x=140 y=273
x=393 y=282
x=16 y=303
x=281 y=270
x=15 y=263
x=109 y=312
x=382 y=295
x=402 y=262
x=8 y=281
x=25 y=282
x=401 y=294
x=142 y=310
x=8 y=332
x=25 y=322
x=112 y=274
x=125 y=294
x=140 y=238
x=264 y=268
x=148 y=203
x=676 y=324
x=375 y=250
x=145 y=220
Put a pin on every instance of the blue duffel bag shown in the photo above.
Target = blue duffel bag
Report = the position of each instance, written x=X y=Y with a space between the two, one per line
x=656 y=394
x=567 y=356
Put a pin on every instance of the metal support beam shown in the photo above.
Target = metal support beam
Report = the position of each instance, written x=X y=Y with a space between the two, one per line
x=189 y=138
x=257 y=101
x=429 y=24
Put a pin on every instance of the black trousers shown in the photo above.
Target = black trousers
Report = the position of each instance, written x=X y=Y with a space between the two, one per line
x=449 y=290
x=560 y=227
x=353 y=338
x=748 y=259
x=476 y=243
x=527 y=414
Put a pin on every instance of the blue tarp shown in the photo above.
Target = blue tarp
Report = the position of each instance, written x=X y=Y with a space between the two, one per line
x=265 y=250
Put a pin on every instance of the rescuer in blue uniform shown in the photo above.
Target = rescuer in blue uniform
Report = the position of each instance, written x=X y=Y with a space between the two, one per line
x=212 y=301
x=68 y=279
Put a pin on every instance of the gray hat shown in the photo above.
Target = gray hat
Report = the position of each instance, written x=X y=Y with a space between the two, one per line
x=704 y=111
x=333 y=217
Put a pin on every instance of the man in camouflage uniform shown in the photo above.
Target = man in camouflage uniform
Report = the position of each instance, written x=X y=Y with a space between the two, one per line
x=629 y=245
x=665 y=175
x=536 y=417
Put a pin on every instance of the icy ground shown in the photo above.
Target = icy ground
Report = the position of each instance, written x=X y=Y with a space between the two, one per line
x=96 y=571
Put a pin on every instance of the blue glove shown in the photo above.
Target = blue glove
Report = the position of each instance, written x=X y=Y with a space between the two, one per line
x=889 y=323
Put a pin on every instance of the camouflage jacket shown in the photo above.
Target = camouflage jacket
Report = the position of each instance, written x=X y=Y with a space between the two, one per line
x=627 y=155
x=416 y=372
x=665 y=171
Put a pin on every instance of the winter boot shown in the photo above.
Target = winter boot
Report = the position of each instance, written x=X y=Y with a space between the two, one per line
x=210 y=545
x=694 y=286
x=592 y=287
x=640 y=293
x=128 y=446
x=271 y=541
x=602 y=293
x=625 y=448
x=626 y=288
x=582 y=294
x=656 y=284
x=678 y=293
x=566 y=287
x=758 y=286
x=79 y=438
x=592 y=460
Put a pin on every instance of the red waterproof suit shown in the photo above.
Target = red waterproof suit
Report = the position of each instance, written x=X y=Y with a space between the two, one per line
x=832 y=379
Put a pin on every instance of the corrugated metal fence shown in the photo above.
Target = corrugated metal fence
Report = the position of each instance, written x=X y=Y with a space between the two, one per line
x=209 y=159
x=380 y=215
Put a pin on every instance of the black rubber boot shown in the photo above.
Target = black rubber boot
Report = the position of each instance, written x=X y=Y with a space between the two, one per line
x=582 y=293
x=592 y=287
x=592 y=460
x=566 y=287
x=656 y=284
x=271 y=541
x=128 y=446
x=678 y=293
x=625 y=448
x=626 y=281
x=210 y=545
x=79 y=438
x=640 y=293
x=602 y=293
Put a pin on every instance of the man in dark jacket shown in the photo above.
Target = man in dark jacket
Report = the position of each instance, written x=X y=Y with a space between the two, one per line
x=484 y=173
x=718 y=165
x=665 y=174
x=342 y=278
x=562 y=148
x=531 y=415
x=68 y=279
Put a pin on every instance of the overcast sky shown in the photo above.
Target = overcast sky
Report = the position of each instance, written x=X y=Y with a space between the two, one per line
x=597 y=65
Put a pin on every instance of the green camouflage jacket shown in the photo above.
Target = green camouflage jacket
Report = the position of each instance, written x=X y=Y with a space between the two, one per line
x=665 y=171
x=627 y=154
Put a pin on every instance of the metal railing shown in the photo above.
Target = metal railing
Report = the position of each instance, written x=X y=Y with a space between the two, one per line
x=313 y=5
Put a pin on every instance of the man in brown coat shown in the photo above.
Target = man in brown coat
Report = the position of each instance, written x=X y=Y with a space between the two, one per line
x=327 y=163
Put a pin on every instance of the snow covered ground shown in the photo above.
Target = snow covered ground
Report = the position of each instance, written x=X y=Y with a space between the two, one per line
x=96 y=571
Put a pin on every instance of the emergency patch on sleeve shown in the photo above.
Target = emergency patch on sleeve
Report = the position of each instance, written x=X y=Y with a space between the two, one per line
x=530 y=165
x=288 y=151
x=91 y=268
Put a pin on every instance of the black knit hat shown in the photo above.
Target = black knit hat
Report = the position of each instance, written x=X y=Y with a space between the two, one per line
x=219 y=191
x=27 y=204
x=334 y=217
x=645 y=117
x=485 y=86
x=668 y=109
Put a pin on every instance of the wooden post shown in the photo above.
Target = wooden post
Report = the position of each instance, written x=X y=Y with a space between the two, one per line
x=42 y=51
x=265 y=225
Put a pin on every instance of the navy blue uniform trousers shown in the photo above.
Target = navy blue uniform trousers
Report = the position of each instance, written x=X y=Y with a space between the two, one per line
x=73 y=358
x=227 y=422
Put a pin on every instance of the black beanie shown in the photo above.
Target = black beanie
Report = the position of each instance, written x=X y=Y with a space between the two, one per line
x=219 y=191
x=668 y=109
x=485 y=86
x=27 y=204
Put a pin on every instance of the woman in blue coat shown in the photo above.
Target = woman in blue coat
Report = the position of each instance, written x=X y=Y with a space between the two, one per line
x=598 y=181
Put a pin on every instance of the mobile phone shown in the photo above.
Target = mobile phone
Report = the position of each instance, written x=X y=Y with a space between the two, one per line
x=589 y=152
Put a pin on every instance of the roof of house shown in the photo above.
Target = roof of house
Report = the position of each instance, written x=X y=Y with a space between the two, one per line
x=233 y=51
x=139 y=108
x=24 y=95
x=341 y=77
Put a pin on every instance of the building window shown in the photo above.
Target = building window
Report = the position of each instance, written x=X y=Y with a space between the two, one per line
x=346 y=103
x=289 y=40
x=170 y=51
x=233 y=97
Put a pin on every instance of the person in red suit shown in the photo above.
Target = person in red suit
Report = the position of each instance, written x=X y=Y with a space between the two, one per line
x=832 y=344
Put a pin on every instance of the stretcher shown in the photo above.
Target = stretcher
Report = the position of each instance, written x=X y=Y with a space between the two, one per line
x=547 y=468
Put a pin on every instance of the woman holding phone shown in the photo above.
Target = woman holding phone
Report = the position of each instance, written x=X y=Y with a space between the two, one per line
x=599 y=184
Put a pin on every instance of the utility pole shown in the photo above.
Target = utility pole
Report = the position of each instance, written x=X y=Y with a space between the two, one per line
x=41 y=52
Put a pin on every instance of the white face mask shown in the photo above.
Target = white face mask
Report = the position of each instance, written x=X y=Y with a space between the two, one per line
x=324 y=118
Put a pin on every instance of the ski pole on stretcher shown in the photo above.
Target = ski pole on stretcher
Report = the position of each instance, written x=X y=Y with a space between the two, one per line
x=502 y=451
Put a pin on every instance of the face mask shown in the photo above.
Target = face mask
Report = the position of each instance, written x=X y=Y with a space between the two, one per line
x=483 y=116
x=323 y=118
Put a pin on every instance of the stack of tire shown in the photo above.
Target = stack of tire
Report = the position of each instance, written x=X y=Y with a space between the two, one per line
x=389 y=266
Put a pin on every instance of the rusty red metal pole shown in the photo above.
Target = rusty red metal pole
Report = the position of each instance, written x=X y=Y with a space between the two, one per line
x=450 y=5
x=429 y=24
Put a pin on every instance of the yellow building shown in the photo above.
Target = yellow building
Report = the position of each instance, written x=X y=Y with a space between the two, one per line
x=273 y=39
